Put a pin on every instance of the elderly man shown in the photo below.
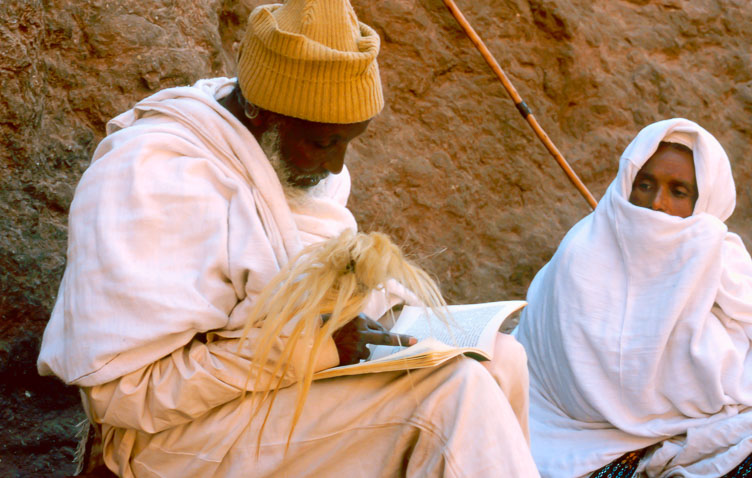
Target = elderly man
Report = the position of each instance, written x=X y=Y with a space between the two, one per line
x=193 y=202
x=639 y=329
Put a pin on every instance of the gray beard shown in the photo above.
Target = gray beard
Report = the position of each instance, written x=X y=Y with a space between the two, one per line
x=295 y=195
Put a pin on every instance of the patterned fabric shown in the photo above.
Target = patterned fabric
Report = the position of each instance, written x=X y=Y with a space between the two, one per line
x=744 y=470
x=626 y=465
x=623 y=467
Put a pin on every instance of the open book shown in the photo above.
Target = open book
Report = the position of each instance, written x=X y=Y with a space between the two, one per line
x=471 y=330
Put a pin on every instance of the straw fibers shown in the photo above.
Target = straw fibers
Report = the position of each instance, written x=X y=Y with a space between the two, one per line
x=332 y=277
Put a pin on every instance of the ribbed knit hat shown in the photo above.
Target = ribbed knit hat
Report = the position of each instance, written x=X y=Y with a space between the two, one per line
x=313 y=60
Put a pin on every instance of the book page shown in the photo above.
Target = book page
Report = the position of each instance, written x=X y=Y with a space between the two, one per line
x=471 y=331
x=465 y=328
x=426 y=353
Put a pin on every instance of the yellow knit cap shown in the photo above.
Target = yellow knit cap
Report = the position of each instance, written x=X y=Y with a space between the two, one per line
x=313 y=60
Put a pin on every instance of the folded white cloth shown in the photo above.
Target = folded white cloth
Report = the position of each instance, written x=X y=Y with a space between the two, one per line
x=639 y=329
x=175 y=229
x=176 y=226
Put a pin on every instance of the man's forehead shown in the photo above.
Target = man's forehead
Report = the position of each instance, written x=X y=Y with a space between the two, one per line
x=314 y=130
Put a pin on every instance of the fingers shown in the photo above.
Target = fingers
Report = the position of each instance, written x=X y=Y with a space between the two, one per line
x=375 y=326
x=377 y=334
x=363 y=352
x=405 y=340
x=386 y=338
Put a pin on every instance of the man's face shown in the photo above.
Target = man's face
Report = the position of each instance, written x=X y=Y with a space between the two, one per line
x=666 y=183
x=311 y=151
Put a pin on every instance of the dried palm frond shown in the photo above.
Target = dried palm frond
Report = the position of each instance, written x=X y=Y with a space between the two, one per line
x=333 y=277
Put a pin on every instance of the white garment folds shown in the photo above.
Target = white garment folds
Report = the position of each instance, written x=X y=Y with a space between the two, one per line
x=175 y=228
x=638 y=330
x=134 y=290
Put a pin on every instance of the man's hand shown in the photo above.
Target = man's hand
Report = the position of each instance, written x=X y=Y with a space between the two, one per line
x=352 y=338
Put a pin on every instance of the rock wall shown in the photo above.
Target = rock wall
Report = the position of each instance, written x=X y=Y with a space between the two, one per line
x=481 y=202
x=449 y=168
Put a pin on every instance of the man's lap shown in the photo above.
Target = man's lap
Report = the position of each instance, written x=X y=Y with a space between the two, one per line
x=348 y=423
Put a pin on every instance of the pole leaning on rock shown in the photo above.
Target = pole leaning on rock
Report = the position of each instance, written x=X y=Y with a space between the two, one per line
x=520 y=104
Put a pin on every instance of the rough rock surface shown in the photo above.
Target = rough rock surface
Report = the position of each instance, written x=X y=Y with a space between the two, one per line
x=449 y=168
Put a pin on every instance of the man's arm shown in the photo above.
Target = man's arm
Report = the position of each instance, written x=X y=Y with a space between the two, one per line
x=188 y=383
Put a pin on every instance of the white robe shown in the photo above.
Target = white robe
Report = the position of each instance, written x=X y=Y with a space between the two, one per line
x=175 y=228
x=639 y=330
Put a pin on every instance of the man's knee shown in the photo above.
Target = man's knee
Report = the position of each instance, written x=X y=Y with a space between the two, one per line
x=509 y=363
x=509 y=370
x=471 y=376
x=510 y=351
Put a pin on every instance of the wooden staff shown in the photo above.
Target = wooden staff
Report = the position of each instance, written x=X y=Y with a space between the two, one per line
x=520 y=104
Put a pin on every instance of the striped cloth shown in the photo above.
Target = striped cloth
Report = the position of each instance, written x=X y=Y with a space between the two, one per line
x=744 y=470
x=626 y=465
x=623 y=467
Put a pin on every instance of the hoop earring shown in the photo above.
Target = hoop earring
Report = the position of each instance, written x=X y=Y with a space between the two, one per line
x=253 y=113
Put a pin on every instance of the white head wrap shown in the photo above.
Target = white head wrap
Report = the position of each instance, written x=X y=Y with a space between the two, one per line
x=678 y=137
x=717 y=193
x=639 y=327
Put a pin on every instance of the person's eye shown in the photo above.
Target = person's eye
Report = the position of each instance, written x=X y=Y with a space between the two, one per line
x=680 y=193
x=644 y=186
x=324 y=144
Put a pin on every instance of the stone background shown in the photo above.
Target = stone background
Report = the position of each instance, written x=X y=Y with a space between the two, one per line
x=449 y=168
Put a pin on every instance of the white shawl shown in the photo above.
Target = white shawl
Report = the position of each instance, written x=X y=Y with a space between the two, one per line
x=175 y=227
x=639 y=329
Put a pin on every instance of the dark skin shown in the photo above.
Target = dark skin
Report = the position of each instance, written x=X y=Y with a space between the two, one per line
x=352 y=338
x=313 y=150
x=666 y=182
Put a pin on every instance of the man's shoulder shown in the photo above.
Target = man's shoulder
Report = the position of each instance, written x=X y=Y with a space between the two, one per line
x=160 y=155
x=191 y=107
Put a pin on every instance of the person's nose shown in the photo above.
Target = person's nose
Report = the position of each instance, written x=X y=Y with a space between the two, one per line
x=336 y=159
x=660 y=200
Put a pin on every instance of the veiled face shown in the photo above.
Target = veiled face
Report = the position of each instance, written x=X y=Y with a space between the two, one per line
x=666 y=182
